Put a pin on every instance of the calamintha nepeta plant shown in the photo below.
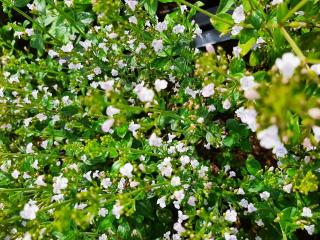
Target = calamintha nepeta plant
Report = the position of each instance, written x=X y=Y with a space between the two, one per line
x=113 y=126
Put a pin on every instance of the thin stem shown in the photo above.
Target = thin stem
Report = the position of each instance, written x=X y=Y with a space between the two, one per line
x=293 y=10
x=293 y=44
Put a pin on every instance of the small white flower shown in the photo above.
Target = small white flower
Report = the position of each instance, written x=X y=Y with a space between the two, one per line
x=59 y=183
x=112 y=111
x=265 y=195
x=228 y=236
x=126 y=170
x=67 y=48
x=133 y=20
x=306 y=212
x=131 y=4
x=287 y=64
x=39 y=181
x=316 y=68
x=29 y=210
x=314 y=113
x=287 y=188
x=103 y=237
x=192 y=201
x=86 y=44
x=106 y=126
x=280 y=151
x=29 y=148
x=248 y=116
x=144 y=94
x=15 y=174
x=243 y=203
x=231 y=215
x=309 y=229
x=160 y=85
x=157 y=45
x=162 y=202
x=236 y=51
x=155 y=141
x=175 y=181
x=114 y=73
x=103 y=212
x=251 y=208
x=236 y=30
x=133 y=127
x=52 y=53
x=247 y=83
x=208 y=90
x=178 y=29
x=316 y=132
x=226 y=104
x=238 y=14
x=269 y=137
x=162 y=26
x=117 y=209
x=276 y=2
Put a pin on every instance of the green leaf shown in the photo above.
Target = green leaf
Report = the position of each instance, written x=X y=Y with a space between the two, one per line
x=288 y=219
x=21 y=3
x=246 y=47
x=223 y=22
x=122 y=130
x=124 y=230
x=252 y=165
x=37 y=43
x=237 y=65
x=151 y=6
x=224 y=6
x=254 y=59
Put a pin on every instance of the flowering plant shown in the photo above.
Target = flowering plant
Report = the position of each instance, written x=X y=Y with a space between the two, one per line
x=114 y=126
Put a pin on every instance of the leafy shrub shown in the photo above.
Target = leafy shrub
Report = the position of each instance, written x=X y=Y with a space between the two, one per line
x=114 y=126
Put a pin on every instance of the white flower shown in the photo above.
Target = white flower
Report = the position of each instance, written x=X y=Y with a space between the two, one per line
x=238 y=14
x=29 y=148
x=126 y=170
x=287 y=188
x=226 y=104
x=228 y=236
x=155 y=141
x=265 y=195
x=247 y=83
x=160 y=85
x=243 y=203
x=162 y=202
x=15 y=174
x=306 y=212
x=280 y=151
x=103 y=237
x=175 y=181
x=231 y=215
x=162 y=26
x=248 y=116
x=133 y=127
x=269 y=137
x=106 y=182
x=114 y=72
x=236 y=30
x=44 y=144
x=97 y=71
x=67 y=48
x=29 y=210
x=157 y=45
x=251 y=208
x=52 y=53
x=59 y=183
x=208 y=90
x=316 y=132
x=314 y=113
x=133 y=20
x=309 y=229
x=236 y=51
x=165 y=167
x=184 y=160
x=276 y=2
x=192 y=201
x=103 y=212
x=144 y=94
x=316 y=68
x=117 y=209
x=107 y=86
x=178 y=227
x=132 y=4
x=112 y=111
x=86 y=44
x=106 y=126
x=287 y=64
x=39 y=181
x=178 y=29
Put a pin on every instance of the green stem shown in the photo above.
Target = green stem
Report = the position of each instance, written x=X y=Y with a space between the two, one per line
x=293 y=44
x=293 y=10
x=3 y=190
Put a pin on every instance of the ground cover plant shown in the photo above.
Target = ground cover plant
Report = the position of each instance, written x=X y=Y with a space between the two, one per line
x=114 y=126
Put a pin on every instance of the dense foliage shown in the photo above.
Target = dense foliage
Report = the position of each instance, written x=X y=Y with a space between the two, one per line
x=114 y=126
